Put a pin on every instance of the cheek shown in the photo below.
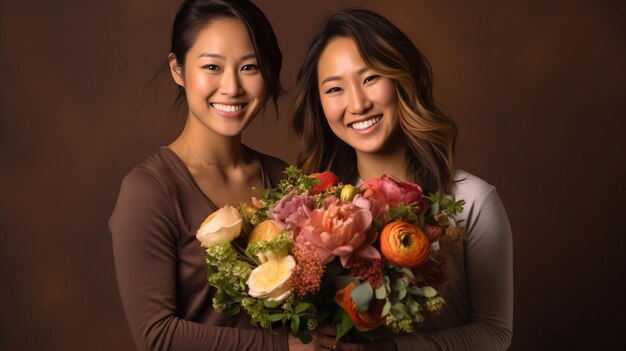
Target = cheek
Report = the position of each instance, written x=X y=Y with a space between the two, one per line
x=332 y=109
x=255 y=87
x=385 y=94
x=198 y=84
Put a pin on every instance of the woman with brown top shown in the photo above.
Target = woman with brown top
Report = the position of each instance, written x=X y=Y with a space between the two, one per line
x=226 y=60
x=364 y=108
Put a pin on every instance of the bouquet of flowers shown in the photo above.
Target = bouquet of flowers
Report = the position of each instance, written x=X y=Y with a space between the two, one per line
x=313 y=250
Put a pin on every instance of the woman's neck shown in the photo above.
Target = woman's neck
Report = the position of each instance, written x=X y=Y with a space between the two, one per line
x=371 y=166
x=205 y=146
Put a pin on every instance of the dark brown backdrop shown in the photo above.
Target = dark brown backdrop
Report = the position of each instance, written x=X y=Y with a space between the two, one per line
x=536 y=89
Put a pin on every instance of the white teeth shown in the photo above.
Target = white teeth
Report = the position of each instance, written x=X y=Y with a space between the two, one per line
x=365 y=124
x=227 y=108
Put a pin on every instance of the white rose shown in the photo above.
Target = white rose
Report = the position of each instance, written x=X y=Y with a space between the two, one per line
x=222 y=226
x=270 y=279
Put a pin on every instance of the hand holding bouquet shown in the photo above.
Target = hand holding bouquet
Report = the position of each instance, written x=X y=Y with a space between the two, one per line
x=312 y=250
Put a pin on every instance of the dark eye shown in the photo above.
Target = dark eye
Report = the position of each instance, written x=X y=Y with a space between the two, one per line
x=249 y=68
x=211 y=67
x=333 y=90
x=371 y=79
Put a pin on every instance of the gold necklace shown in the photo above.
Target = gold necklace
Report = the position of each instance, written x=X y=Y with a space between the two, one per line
x=202 y=159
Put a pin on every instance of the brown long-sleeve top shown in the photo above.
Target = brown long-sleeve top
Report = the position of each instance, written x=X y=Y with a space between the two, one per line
x=160 y=266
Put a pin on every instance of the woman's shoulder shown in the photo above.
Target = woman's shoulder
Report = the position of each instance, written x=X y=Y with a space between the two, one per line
x=160 y=169
x=471 y=188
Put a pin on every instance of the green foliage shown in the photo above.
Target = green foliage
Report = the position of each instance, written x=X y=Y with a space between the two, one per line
x=282 y=242
x=343 y=322
x=447 y=204
x=406 y=213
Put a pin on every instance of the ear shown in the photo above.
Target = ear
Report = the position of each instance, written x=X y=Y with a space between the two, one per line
x=176 y=70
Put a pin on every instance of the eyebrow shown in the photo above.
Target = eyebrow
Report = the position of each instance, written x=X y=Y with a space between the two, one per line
x=334 y=78
x=209 y=54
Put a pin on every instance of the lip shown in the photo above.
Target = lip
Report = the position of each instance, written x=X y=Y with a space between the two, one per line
x=368 y=130
x=230 y=110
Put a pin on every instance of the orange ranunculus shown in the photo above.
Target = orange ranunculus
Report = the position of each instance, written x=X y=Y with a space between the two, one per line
x=362 y=321
x=404 y=244
x=327 y=179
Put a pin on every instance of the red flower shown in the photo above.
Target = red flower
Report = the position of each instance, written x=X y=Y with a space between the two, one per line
x=327 y=180
x=368 y=320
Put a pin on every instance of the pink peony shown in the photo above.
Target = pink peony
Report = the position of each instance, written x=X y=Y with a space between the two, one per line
x=339 y=230
x=292 y=211
x=385 y=192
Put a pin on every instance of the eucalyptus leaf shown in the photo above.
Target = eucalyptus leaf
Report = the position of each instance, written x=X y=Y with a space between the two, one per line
x=362 y=296
x=429 y=291
x=399 y=309
x=408 y=273
x=413 y=290
x=401 y=294
x=399 y=284
x=413 y=306
x=386 y=308
x=381 y=292
x=341 y=281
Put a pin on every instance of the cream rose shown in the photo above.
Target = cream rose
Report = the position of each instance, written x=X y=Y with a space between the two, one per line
x=222 y=226
x=270 y=279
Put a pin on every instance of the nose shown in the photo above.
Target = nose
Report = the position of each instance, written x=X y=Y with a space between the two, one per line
x=358 y=102
x=230 y=85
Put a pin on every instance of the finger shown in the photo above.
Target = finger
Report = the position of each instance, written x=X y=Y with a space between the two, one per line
x=326 y=342
x=327 y=329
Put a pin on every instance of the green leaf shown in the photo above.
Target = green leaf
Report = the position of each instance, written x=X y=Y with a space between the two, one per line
x=362 y=296
x=401 y=294
x=381 y=292
x=345 y=323
x=295 y=324
x=400 y=309
x=407 y=272
x=271 y=304
x=341 y=281
x=386 y=308
x=415 y=291
x=302 y=306
x=429 y=291
x=305 y=338
x=275 y=317
x=399 y=284
x=233 y=310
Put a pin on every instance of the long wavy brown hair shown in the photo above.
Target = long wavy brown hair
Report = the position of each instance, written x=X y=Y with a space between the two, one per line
x=429 y=135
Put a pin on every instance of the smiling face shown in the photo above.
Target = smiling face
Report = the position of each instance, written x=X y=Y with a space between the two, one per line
x=223 y=84
x=360 y=104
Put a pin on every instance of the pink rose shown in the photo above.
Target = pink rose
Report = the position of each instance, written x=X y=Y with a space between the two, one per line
x=292 y=211
x=385 y=192
x=339 y=230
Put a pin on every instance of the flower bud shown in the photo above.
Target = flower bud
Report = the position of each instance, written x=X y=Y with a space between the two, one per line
x=347 y=193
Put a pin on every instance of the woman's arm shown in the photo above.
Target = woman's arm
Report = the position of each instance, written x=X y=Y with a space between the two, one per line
x=145 y=253
x=489 y=269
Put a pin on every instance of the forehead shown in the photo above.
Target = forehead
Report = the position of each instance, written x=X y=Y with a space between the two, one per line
x=223 y=35
x=340 y=56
